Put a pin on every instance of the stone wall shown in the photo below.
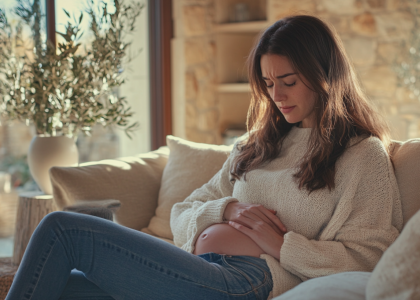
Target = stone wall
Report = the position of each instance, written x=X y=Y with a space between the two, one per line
x=194 y=66
x=375 y=34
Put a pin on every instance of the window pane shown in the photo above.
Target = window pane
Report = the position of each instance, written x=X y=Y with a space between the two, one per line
x=16 y=137
x=14 y=143
x=111 y=143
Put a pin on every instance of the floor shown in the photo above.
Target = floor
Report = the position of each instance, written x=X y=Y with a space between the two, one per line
x=6 y=247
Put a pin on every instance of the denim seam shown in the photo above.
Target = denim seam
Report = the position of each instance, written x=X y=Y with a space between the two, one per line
x=147 y=262
x=235 y=294
x=43 y=264
x=251 y=263
x=239 y=271
x=254 y=288
x=158 y=267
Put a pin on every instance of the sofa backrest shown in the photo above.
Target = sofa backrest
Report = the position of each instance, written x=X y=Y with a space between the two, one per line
x=136 y=182
x=405 y=157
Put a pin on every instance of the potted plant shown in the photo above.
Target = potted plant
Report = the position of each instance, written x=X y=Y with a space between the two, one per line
x=66 y=88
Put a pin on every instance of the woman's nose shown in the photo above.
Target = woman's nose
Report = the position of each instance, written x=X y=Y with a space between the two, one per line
x=278 y=94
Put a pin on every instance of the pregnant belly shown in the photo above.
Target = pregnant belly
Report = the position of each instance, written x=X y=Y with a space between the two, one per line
x=224 y=239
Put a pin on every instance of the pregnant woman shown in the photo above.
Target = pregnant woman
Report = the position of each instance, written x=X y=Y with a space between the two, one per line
x=309 y=191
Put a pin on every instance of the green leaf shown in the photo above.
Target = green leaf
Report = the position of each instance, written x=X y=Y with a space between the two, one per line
x=66 y=12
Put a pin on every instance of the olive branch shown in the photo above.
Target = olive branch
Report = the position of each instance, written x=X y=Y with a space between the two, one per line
x=63 y=90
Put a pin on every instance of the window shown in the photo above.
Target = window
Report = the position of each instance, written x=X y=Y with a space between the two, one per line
x=104 y=143
x=111 y=143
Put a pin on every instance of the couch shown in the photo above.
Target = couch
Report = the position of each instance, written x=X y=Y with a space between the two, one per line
x=149 y=184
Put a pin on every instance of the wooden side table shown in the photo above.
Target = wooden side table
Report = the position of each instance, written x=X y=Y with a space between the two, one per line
x=33 y=206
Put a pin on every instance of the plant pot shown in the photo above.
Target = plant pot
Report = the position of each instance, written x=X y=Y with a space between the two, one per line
x=47 y=152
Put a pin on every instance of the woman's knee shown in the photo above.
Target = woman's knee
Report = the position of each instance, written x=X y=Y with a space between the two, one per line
x=56 y=218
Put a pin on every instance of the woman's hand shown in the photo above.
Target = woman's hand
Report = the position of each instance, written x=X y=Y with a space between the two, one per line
x=259 y=223
x=268 y=239
x=235 y=210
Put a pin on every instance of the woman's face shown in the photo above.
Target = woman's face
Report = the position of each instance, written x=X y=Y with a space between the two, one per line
x=293 y=98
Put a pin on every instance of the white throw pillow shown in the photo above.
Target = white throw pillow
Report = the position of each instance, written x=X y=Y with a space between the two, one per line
x=397 y=274
x=341 y=286
x=190 y=165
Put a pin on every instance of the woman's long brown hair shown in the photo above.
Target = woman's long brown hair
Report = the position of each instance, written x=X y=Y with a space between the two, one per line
x=342 y=110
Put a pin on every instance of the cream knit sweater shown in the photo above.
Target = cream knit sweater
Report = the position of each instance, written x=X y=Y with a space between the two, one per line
x=346 y=229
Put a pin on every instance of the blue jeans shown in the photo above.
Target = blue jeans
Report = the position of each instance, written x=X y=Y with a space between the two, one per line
x=75 y=256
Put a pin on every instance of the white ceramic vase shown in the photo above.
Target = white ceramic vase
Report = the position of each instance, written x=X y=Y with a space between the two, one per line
x=47 y=152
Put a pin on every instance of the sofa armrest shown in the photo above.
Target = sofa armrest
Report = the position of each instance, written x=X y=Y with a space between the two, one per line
x=135 y=181
x=101 y=208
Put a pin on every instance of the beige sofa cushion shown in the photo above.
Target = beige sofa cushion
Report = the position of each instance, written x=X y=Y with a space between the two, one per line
x=190 y=165
x=397 y=274
x=134 y=180
x=406 y=160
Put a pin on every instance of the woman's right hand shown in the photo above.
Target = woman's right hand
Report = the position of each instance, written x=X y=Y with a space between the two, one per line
x=234 y=210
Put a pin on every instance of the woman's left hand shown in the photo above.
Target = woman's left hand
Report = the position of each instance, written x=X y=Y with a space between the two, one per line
x=260 y=232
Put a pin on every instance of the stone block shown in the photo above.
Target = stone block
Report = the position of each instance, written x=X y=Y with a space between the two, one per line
x=364 y=24
x=191 y=85
x=205 y=72
x=206 y=96
x=395 y=25
x=195 y=20
x=377 y=4
x=380 y=81
x=208 y=120
x=394 y=5
x=388 y=51
x=282 y=8
x=340 y=23
x=342 y=7
x=399 y=127
x=362 y=51
x=198 y=50
x=197 y=136
x=412 y=109
x=402 y=94
x=190 y=115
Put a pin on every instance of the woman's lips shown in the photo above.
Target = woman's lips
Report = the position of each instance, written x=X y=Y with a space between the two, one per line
x=287 y=109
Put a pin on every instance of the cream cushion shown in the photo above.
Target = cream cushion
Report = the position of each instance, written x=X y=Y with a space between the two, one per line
x=341 y=286
x=406 y=160
x=397 y=274
x=133 y=180
x=190 y=165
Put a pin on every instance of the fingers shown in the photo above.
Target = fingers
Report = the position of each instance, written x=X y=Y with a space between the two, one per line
x=270 y=215
x=274 y=219
x=257 y=215
x=242 y=228
x=269 y=241
x=255 y=212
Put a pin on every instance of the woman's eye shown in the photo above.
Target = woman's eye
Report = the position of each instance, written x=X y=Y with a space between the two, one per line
x=292 y=84
x=269 y=86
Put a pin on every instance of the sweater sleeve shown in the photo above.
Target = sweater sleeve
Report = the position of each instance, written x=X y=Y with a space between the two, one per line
x=204 y=207
x=367 y=219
